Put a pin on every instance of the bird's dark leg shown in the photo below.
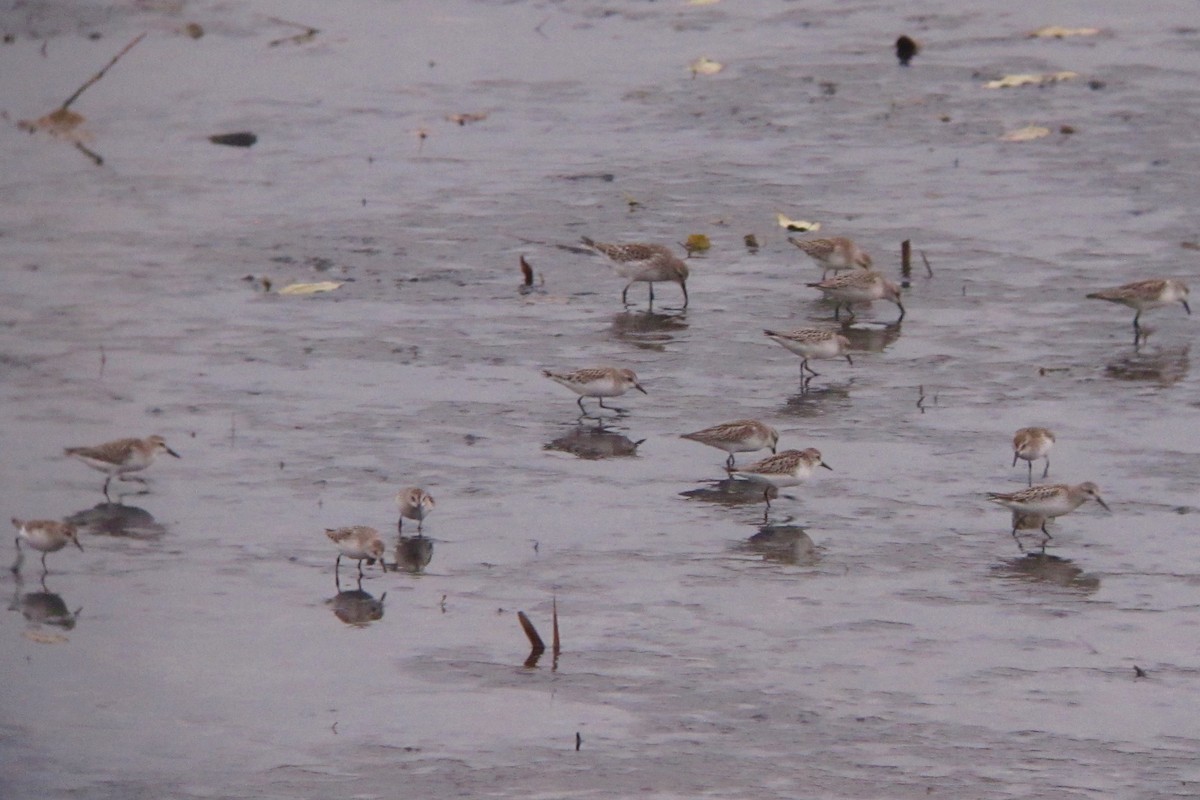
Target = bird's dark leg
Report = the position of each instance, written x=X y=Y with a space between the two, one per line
x=16 y=567
x=337 y=564
x=625 y=293
x=1048 y=536
x=651 y=293
x=400 y=524
x=837 y=309
x=1046 y=471
x=729 y=461
x=580 y=403
x=1031 y=473
x=804 y=365
x=44 y=567
x=685 y=294
x=767 y=496
x=1017 y=539
x=105 y=489
x=360 y=569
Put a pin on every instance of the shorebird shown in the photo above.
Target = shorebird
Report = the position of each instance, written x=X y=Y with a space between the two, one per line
x=836 y=253
x=859 y=286
x=739 y=436
x=117 y=459
x=415 y=504
x=789 y=468
x=813 y=343
x=600 y=382
x=45 y=535
x=646 y=263
x=360 y=543
x=1142 y=295
x=1031 y=444
x=1047 y=501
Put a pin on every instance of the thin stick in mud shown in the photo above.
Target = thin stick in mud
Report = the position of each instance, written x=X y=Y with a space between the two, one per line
x=557 y=643
x=531 y=633
x=100 y=74
x=906 y=259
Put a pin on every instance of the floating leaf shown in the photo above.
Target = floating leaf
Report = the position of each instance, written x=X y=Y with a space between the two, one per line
x=239 y=139
x=697 y=243
x=463 y=119
x=702 y=2
x=1030 y=79
x=44 y=637
x=59 y=122
x=797 y=225
x=310 y=288
x=1059 y=32
x=1026 y=134
x=705 y=66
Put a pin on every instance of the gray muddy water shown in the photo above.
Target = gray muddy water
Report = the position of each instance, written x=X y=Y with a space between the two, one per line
x=876 y=634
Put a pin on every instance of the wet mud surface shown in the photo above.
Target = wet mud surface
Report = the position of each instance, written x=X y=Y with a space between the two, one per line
x=877 y=633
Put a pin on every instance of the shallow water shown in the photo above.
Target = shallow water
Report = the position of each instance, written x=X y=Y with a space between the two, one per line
x=877 y=633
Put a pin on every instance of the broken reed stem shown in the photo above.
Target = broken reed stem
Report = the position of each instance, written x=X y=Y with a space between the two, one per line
x=531 y=633
x=906 y=259
x=928 y=269
x=95 y=78
x=526 y=272
x=557 y=643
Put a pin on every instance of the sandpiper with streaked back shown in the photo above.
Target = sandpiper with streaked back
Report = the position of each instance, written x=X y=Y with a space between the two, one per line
x=45 y=535
x=599 y=382
x=1047 y=501
x=119 y=458
x=812 y=343
x=859 y=286
x=415 y=503
x=1031 y=444
x=1143 y=295
x=789 y=468
x=836 y=253
x=645 y=263
x=359 y=542
x=738 y=436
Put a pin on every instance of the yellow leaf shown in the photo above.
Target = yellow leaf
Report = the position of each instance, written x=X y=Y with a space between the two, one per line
x=705 y=66
x=1026 y=134
x=702 y=2
x=1030 y=79
x=697 y=243
x=60 y=122
x=797 y=225
x=310 y=288
x=44 y=637
x=1059 y=32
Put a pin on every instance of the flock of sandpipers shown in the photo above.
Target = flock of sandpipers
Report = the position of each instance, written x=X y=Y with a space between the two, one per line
x=653 y=263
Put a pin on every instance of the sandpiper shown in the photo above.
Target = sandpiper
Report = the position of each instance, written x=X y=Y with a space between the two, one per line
x=599 y=382
x=739 y=436
x=358 y=542
x=1141 y=295
x=45 y=535
x=1047 y=501
x=789 y=468
x=1031 y=444
x=415 y=503
x=813 y=343
x=859 y=286
x=836 y=253
x=646 y=263
x=118 y=458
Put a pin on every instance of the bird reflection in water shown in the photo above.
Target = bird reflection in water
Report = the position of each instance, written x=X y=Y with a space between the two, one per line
x=357 y=607
x=413 y=554
x=1162 y=366
x=781 y=544
x=648 y=330
x=726 y=492
x=117 y=519
x=870 y=337
x=826 y=398
x=44 y=608
x=1048 y=569
x=594 y=443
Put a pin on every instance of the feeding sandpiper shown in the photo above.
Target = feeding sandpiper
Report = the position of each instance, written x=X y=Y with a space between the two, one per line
x=813 y=343
x=117 y=459
x=1031 y=444
x=789 y=468
x=415 y=503
x=45 y=535
x=1142 y=295
x=859 y=286
x=836 y=253
x=359 y=542
x=1047 y=501
x=739 y=436
x=599 y=382
x=645 y=263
